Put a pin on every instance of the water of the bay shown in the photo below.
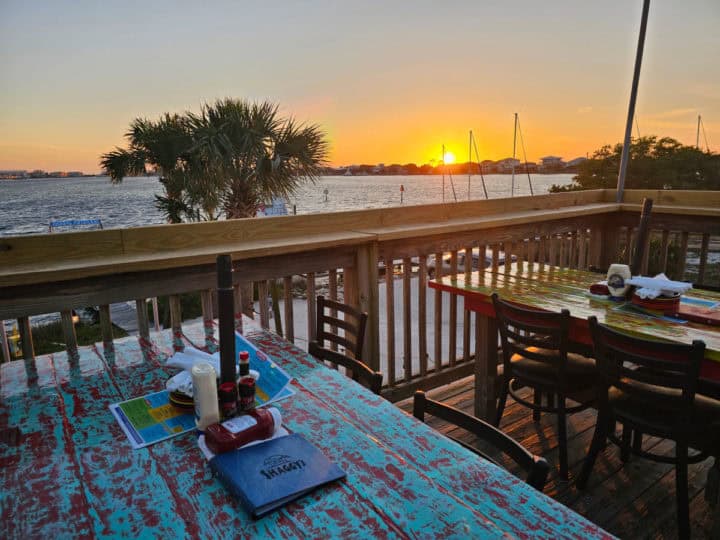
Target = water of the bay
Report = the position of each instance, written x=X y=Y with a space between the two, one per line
x=28 y=206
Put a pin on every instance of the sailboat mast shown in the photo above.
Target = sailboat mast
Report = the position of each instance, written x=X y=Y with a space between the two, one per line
x=512 y=184
x=469 y=161
x=697 y=138
x=443 y=169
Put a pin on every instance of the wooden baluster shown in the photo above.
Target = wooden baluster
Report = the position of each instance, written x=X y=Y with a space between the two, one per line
x=106 y=326
x=68 y=329
x=553 y=250
x=564 y=250
x=142 y=319
x=495 y=258
x=28 y=351
x=422 y=314
x=312 y=302
x=683 y=255
x=333 y=295
x=390 y=317
x=573 y=251
x=582 y=249
x=664 y=244
x=466 y=312
x=542 y=251
x=206 y=303
x=264 y=307
x=452 y=330
x=288 y=308
x=407 y=319
x=438 y=312
x=646 y=255
x=5 y=343
x=510 y=250
x=631 y=237
x=176 y=322
x=532 y=251
x=703 y=257
x=238 y=306
x=482 y=251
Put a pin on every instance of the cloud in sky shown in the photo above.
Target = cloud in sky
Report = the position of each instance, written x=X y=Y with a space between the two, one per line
x=585 y=110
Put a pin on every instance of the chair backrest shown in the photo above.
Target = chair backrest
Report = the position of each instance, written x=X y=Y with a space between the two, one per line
x=662 y=374
x=352 y=326
x=538 y=335
x=535 y=467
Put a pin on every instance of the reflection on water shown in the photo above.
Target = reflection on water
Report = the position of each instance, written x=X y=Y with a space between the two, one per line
x=27 y=206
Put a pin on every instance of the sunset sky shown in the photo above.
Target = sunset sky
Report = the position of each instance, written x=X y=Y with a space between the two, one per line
x=389 y=81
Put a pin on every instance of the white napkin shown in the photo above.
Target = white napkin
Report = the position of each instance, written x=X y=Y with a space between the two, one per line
x=660 y=285
x=185 y=360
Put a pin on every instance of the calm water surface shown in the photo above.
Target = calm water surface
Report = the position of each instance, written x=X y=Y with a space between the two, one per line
x=28 y=206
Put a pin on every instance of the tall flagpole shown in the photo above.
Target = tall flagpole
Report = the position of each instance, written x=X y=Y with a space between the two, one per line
x=631 y=106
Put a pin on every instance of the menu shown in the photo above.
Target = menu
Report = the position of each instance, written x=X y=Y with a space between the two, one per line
x=150 y=419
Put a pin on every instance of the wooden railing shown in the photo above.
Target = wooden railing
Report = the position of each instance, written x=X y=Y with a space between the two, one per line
x=418 y=339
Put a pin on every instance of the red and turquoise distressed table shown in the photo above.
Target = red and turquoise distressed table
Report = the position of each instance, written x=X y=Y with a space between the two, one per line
x=551 y=288
x=73 y=473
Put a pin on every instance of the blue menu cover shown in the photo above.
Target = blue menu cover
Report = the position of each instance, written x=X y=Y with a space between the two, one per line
x=268 y=475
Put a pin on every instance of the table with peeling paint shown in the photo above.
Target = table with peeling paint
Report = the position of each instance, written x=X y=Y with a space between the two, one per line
x=72 y=473
x=553 y=289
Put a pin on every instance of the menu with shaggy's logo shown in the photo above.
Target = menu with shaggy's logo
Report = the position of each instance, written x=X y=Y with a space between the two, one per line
x=268 y=475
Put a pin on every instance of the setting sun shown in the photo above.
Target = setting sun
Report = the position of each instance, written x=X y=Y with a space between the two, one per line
x=449 y=157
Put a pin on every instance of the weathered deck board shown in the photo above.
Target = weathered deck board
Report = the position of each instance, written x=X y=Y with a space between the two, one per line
x=631 y=500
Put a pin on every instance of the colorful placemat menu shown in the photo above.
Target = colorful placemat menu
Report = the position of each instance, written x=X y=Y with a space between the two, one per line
x=150 y=419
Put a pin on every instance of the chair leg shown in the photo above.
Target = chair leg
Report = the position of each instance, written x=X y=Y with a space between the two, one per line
x=501 y=401
x=562 y=436
x=537 y=400
x=597 y=444
x=681 y=490
x=637 y=441
x=625 y=447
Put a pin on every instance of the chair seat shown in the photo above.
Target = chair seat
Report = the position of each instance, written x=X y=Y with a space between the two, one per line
x=704 y=427
x=579 y=369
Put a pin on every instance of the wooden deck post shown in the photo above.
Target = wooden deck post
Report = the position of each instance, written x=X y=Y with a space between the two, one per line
x=369 y=301
x=486 y=360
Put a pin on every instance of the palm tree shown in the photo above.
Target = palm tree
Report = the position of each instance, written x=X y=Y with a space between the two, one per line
x=229 y=159
x=254 y=154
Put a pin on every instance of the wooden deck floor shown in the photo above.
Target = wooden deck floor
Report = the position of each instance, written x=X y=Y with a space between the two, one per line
x=631 y=500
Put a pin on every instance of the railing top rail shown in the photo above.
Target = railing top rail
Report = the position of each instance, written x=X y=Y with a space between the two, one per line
x=44 y=258
x=668 y=197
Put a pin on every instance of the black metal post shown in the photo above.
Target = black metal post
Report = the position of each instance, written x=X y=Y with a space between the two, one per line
x=226 y=318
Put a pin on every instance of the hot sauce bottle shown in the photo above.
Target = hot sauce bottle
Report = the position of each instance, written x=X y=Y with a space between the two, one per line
x=255 y=425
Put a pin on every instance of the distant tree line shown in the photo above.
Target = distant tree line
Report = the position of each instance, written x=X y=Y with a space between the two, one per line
x=655 y=163
x=485 y=167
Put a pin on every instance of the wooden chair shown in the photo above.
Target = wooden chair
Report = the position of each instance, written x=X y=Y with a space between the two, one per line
x=649 y=387
x=535 y=467
x=535 y=355
x=345 y=349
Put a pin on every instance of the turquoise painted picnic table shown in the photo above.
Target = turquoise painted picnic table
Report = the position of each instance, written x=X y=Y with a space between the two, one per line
x=72 y=472
x=553 y=289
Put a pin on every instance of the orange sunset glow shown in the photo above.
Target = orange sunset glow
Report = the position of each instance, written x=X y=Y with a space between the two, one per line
x=386 y=85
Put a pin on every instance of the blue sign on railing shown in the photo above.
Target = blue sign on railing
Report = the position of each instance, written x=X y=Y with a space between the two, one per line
x=74 y=224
